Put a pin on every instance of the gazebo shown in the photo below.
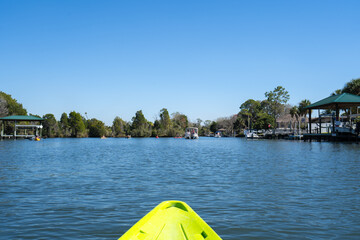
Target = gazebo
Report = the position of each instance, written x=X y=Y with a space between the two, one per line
x=20 y=118
x=336 y=103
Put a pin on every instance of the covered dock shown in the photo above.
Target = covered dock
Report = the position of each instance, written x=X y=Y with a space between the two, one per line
x=340 y=128
x=24 y=126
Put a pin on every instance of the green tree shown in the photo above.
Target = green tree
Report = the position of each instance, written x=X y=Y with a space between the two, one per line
x=11 y=107
x=157 y=124
x=156 y=130
x=213 y=126
x=119 y=127
x=302 y=107
x=239 y=124
x=64 y=125
x=205 y=128
x=138 y=120
x=64 y=120
x=50 y=126
x=352 y=87
x=3 y=107
x=180 y=120
x=96 y=128
x=76 y=124
x=265 y=106
x=263 y=120
x=140 y=126
x=250 y=109
x=252 y=106
x=276 y=100
x=165 y=121
x=85 y=121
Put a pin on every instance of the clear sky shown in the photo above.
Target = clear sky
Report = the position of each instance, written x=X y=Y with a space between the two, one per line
x=201 y=58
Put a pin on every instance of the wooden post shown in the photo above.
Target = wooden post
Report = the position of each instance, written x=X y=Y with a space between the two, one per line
x=319 y=120
x=310 y=121
x=337 y=112
x=15 y=130
x=350 y=123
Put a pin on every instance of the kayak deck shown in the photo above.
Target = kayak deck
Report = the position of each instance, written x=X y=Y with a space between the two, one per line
x=171 y=220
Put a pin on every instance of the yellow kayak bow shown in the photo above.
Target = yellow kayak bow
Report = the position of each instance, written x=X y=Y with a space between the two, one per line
x=171 y=220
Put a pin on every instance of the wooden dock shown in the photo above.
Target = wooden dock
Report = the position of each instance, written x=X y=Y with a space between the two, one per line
x=330 y=137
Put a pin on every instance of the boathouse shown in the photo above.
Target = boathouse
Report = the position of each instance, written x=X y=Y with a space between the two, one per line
x=342 y=128
x=24 y=126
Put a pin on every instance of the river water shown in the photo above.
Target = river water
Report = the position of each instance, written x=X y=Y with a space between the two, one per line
x=256 y=189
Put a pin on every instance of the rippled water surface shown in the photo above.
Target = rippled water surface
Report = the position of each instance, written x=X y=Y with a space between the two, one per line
x=97 y=189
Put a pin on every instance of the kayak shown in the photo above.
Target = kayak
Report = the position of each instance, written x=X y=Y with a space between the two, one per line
x=171 y=220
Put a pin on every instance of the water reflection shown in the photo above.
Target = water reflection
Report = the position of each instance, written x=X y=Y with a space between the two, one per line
x=66 y=188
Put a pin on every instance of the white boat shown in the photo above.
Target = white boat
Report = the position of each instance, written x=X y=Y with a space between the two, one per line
x=251 y=134
x=217 y=134
x=191 y=133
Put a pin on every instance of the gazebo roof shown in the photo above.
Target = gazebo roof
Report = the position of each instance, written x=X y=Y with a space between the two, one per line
x=21 y=118
x=344 y=100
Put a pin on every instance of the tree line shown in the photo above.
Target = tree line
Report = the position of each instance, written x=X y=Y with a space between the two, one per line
x=253 y=114
x=76 y=125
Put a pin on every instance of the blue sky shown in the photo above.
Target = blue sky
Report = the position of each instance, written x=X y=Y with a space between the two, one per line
x=201 y=58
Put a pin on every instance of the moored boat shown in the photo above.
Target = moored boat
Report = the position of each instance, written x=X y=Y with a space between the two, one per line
x=251 y=134
x=191 y=133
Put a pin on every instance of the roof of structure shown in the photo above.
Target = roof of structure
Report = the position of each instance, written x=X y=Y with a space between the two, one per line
x=344 y=100
x=21 y=118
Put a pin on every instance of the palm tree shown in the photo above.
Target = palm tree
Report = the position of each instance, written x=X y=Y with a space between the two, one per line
x=302 y=110
x=336 y=92
x=352 y=87
x=294 y=112
x=302 y=107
